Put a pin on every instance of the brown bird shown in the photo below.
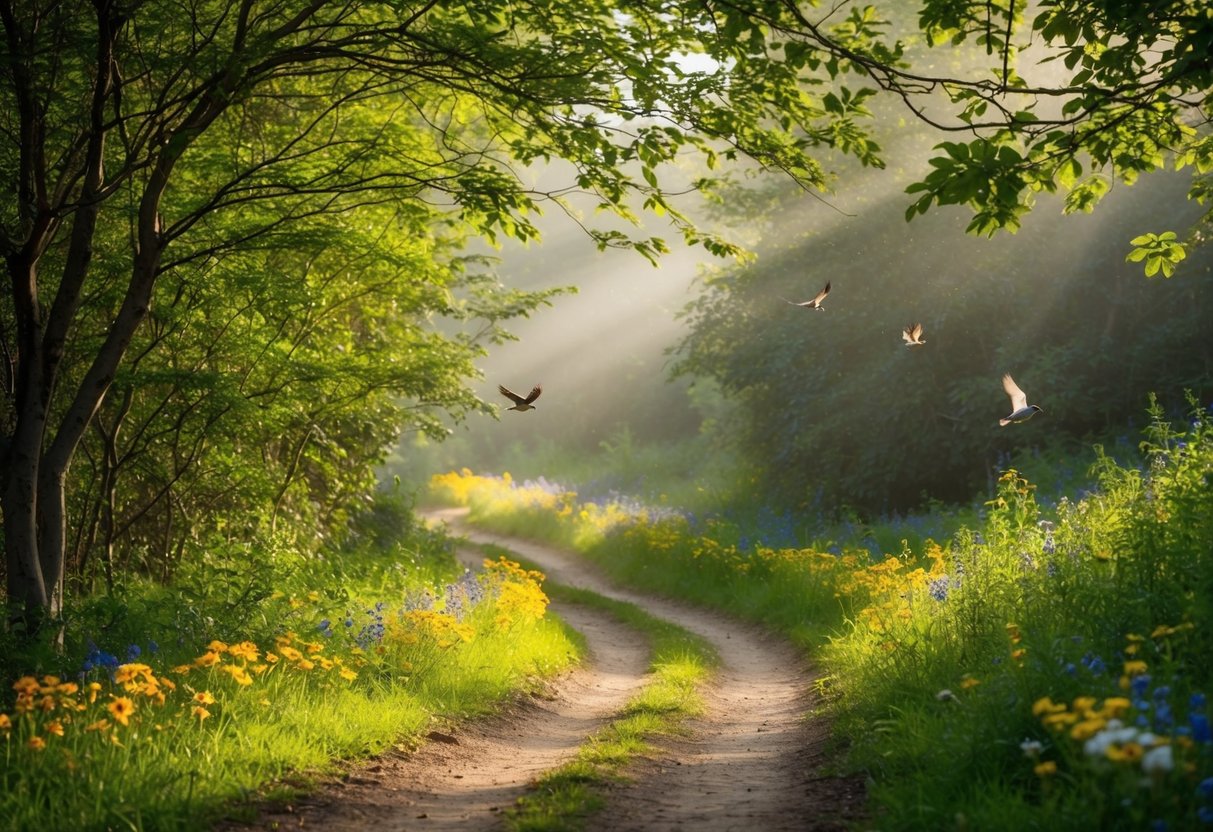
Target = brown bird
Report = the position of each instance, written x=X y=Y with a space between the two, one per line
x=521 y=404
x=815 y=303
x=912 y=335
x=1021 y=411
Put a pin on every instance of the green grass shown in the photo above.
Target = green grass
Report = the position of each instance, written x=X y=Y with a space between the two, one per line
x=273 y=727
x=566 y=798
x=968 y=673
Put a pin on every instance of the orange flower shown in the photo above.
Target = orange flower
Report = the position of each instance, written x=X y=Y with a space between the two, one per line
x=201 y=712
x=36 y=743
x=122 y=707
x=217 y=646
x=55 y=727
x=99 y=725
x=6 y=724
x=203 y=697
x=245 y=650
x=348 y=674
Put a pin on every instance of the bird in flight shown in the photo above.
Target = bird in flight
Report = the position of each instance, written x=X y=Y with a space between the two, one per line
x=815 y=303
x=521 y=404
x=1021 y=411
x=912 y=335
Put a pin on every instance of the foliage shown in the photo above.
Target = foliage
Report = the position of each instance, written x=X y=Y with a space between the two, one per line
x=1042 y=669
x=835 y=411
x=331 y=663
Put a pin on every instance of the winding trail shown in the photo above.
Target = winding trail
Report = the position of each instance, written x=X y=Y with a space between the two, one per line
x=752 y=762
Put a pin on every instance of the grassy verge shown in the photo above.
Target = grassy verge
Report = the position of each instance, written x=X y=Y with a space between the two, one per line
x=1046 y=667
x=564 y=799
x=172 y=707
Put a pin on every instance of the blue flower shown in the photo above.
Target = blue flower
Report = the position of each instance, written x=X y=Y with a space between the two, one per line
x=153 y=647
x=1162 y=691
x=1206 y=787
x=1196 y=701
x=1070 y=669
x=938 y=588
x=133 y=651
x=1140 y=685
x=1200 y=728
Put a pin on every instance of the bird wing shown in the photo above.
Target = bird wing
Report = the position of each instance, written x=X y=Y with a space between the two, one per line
x=917 y=332
x=907 y=336
x=512 y=396
x=534 y=394
x=1018 y=398
x=822 y=294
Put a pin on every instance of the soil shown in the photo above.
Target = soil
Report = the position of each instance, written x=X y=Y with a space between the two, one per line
x=754 y=761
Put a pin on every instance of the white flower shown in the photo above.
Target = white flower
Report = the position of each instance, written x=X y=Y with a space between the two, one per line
x=1031 y=748
x=1157 y=759
x=945 y=695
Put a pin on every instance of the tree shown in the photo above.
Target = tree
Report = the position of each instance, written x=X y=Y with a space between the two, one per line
x=113 y=117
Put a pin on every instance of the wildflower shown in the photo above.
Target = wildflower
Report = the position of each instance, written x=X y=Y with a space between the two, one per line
x=305 y=664
x=1130 y=752
x=1201 y=732
x=217 y=646
x=55 y=727
x=1135 y=667
x=203 y=697
x=27 y=685
x=1087 y=728
x=36 y=743
x=1045 y=705
x=208 y=659
x=1046 y=769
x=946 y=695
x=347 y=674
x=122 y=708
x=1206 y=787
x=245 y=650
x=201 y=712
x=1158 y=759
x=1018 y=654
x=969 y=682
x=1032 y=748
x=99 y=725
x=271 y=658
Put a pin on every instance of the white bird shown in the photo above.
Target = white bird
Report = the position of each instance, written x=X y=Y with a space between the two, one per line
x=912 y=335
x=521 y=404
x=815 y=303
x=1021 y=411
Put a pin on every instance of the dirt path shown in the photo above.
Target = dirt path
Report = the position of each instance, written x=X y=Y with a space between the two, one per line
x=750 y=763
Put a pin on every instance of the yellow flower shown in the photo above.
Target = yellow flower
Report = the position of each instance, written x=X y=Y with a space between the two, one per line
x=6 y=724
x=1084 y=704
x=969 y=682
x=55 y=727
x=1130 y=752
x=122 y=708
x=245 y=650
x=217 y=646
x=36 y=743
x=93 y=689
x=203 y=697
x=209 y=659
x=1045 y=769
x=270 y=657
x=305 y=664
x=1087 y=728
x=99 y=725
x=1114 y=706
x=1045 y=705
x=183 y=668
x=290 y=652
x=27 y=685
x=201 y=712
x=1018 y=653
x=1135 y=667
x=348 y=674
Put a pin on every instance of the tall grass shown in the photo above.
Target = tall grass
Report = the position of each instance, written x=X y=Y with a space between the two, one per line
x=1042 y=667
x=180 y=704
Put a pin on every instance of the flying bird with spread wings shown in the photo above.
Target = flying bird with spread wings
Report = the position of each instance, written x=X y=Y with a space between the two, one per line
x=912 y=335
x=815 y=303
x=521 y=404
x=1021 y=411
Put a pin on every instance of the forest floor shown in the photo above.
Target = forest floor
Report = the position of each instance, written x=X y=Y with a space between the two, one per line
x=753 y=761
